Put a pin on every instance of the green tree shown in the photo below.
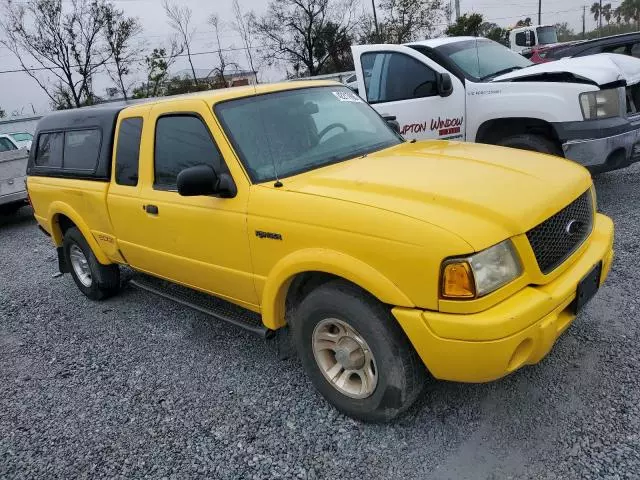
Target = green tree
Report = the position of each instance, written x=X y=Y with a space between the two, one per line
x=526 y=22
x=406 y=20
x=629 y=10
x=473 y=24
x=2 y=113
x=467 y=24
x=565 y=33
x=157 y=64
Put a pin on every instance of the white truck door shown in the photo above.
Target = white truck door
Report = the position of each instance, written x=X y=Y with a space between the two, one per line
x=398 y=80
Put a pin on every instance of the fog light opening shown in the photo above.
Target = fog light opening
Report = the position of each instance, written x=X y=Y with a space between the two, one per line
x=520 y=355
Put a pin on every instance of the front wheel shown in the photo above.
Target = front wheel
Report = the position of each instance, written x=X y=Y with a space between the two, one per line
x=355 y=353
x=532 y=142
x=95 y=280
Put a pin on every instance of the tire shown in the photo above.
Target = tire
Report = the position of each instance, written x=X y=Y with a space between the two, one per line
x=11 y=208
x=103 y=280
x=398 y=371
x=535 y=143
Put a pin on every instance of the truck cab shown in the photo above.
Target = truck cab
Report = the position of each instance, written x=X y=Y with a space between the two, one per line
x=523 y=39
x=474 y=89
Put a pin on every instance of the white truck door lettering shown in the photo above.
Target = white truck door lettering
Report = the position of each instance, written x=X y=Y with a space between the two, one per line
x=398 y=80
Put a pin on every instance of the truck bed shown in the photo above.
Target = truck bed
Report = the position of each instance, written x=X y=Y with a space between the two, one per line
x=13 y=171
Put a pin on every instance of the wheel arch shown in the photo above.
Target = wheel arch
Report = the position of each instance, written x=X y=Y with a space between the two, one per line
x=491 y=131
x=63 y=217
x=293 y=274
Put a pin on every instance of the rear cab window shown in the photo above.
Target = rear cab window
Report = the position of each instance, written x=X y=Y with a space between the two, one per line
x=74 y=150
x=128 y=151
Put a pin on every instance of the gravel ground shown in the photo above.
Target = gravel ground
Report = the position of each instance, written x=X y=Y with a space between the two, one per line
x=137 y=387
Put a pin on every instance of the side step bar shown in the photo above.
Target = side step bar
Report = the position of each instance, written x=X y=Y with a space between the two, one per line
x=207 y=304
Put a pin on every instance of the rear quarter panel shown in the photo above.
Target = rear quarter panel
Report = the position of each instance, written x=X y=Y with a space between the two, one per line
x=84 y=202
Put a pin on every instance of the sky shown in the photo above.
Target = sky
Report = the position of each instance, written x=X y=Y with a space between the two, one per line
x=20 y=94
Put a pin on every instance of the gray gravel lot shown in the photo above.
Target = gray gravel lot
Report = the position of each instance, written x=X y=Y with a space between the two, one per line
x=137 y=387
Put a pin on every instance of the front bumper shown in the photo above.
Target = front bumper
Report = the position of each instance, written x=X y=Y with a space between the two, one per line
x=601 y=145
x=490 y=356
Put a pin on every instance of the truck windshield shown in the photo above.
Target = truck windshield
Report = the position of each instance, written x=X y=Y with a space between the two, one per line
x=547 y=35
x=285 y=133
x=481 y=59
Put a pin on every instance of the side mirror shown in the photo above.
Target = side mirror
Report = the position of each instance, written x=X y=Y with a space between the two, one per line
x=445 y=84
x=203 y=180
x=393 y=123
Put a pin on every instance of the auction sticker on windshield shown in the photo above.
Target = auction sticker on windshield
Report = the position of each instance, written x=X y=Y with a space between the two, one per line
x=347 y=97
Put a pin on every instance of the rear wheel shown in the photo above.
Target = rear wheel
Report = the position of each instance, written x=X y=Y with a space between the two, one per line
x=535 y=143
x=355 y=353
x=95 y=280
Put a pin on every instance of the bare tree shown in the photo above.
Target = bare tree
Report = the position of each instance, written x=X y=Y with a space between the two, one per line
x=64 y=44
x=293 y=30
x=158 y=64
x=219 y=72
x=243 y=26
x=180 y=22
x=120 y=33
x=406 y=20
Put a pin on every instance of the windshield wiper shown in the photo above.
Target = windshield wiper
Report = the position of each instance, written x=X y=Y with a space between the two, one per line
x=501 y=72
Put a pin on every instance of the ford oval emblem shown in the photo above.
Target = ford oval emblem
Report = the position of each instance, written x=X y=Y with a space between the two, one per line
x=573 y=227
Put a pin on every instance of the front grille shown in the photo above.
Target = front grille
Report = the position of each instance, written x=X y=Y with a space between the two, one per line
x=558 y=237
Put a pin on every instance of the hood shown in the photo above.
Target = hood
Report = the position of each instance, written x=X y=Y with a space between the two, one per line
x=480 y=193
x=601 y=69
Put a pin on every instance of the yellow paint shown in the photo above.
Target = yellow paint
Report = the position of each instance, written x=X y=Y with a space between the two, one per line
x=386 y=222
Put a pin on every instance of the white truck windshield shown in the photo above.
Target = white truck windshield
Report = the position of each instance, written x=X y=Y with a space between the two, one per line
x=285 y=133
x=483 y=59
x=547 y=35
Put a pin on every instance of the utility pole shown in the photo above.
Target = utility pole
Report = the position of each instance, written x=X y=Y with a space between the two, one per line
x=375 y=18
x=457 y=10
x=540 y=12
x=600 y=20
x=584 y=13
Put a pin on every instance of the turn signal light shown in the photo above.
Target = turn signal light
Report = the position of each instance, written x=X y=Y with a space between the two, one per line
x=457 y=281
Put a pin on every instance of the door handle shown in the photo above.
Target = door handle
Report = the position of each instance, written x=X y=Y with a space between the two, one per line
x=151 y=209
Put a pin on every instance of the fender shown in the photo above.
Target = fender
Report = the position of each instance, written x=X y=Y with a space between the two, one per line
x=57 y=208
x=326 y=261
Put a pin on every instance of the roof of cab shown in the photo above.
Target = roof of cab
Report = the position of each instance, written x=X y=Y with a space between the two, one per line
x=437 y=42
x=223 y=94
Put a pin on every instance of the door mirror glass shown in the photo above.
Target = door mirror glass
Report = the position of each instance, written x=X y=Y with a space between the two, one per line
x=445 y=84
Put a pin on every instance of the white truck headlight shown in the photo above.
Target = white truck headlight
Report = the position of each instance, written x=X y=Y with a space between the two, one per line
x=600 y=104
x=480 y=274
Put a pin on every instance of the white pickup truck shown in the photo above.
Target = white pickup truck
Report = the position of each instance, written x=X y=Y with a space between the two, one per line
x=586 y=109
x=13 y=171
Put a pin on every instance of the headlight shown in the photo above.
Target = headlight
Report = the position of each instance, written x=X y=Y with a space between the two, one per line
x=480 y=274
x=600 y=104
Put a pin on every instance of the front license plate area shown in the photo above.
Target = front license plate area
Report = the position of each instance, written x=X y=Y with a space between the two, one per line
x=587 y=288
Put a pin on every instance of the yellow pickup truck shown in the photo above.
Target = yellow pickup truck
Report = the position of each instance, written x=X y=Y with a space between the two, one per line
x=296 y=211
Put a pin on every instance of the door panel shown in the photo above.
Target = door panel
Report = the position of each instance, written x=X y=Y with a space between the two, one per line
x=196 y=241
x=398 y=80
